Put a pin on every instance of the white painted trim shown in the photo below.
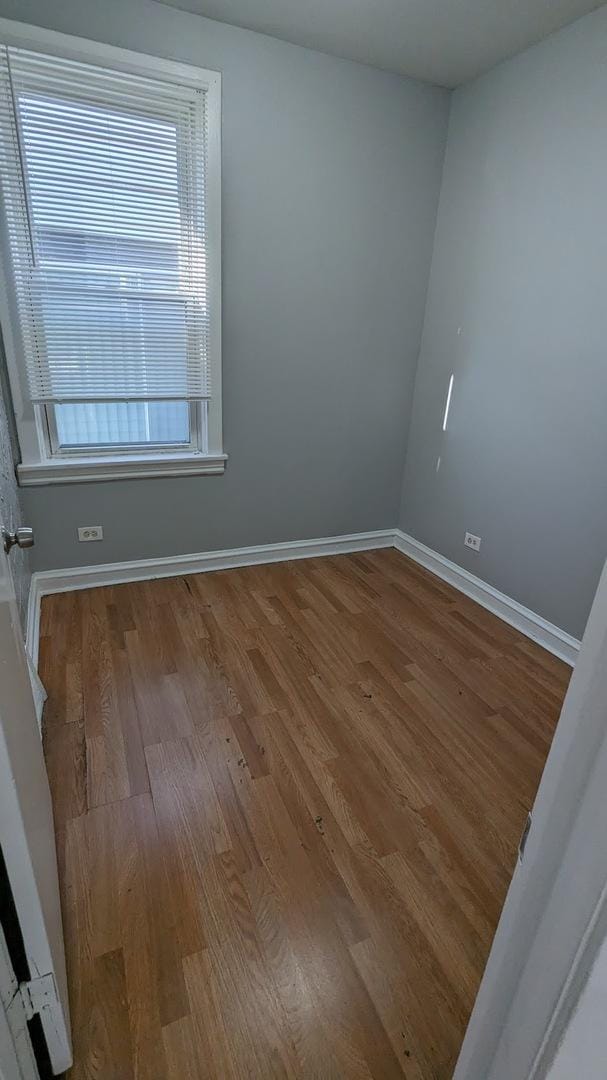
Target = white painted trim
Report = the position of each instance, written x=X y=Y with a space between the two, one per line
x=26 y=830
x=545 y=633
x=32 y=648
x=553 y=921
x=32 y=628
x=44 y=582
x=75 y=470
x=39 y=466
x=17 y=1060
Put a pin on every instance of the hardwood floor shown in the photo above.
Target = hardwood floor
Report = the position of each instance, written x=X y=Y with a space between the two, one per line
x=288 y=800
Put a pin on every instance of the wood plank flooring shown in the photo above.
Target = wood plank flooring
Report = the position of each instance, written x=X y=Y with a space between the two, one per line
x=288 y=800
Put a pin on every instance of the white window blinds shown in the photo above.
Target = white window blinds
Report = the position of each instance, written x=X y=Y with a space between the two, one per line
x=103 y=184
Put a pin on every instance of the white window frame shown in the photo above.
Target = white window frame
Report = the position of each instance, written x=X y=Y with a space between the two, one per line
x=40 y=463
x=197 y=441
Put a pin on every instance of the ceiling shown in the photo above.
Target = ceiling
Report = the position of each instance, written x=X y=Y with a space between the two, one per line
x=447 y=42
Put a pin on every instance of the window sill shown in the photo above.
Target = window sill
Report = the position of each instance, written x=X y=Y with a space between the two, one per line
x=81 y=470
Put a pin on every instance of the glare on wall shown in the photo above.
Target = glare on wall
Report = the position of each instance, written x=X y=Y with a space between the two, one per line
x=448 y=403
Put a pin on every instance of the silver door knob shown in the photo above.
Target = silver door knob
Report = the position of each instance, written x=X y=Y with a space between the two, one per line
x=22 y=537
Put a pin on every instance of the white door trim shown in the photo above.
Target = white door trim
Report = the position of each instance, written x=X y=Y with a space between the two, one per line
x=30 y=907
x=17 y=1061
x=555 y=915
x=26 y=828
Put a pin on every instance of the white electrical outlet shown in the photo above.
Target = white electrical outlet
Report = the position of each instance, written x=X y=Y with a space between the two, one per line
x=90 y=532
x=472 y=541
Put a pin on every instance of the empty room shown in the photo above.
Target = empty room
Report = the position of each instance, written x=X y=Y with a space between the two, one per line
x=303 y=629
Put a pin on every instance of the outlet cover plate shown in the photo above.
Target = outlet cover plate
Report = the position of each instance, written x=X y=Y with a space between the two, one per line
x=472 y=541
x=86 y=533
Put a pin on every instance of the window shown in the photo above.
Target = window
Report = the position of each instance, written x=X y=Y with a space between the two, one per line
x=110 y=189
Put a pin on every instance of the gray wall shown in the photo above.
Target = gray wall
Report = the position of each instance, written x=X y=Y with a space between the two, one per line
x=10 y=508
x=517 y=309
x=331 y=174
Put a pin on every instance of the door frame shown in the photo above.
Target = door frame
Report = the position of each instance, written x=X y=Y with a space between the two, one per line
x=27 y=836
x=17 y=1058
x=38 y=915
x=555 y=914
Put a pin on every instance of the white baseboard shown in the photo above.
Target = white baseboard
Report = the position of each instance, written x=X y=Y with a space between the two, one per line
x=546 y=634
x=32 y=644
x=534 y=626
x=45 y=582
x=32 y=629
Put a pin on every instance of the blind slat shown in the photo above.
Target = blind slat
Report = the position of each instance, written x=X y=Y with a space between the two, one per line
x=103 y=183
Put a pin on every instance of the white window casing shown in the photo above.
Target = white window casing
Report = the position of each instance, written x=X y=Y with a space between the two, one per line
x=111 y=249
